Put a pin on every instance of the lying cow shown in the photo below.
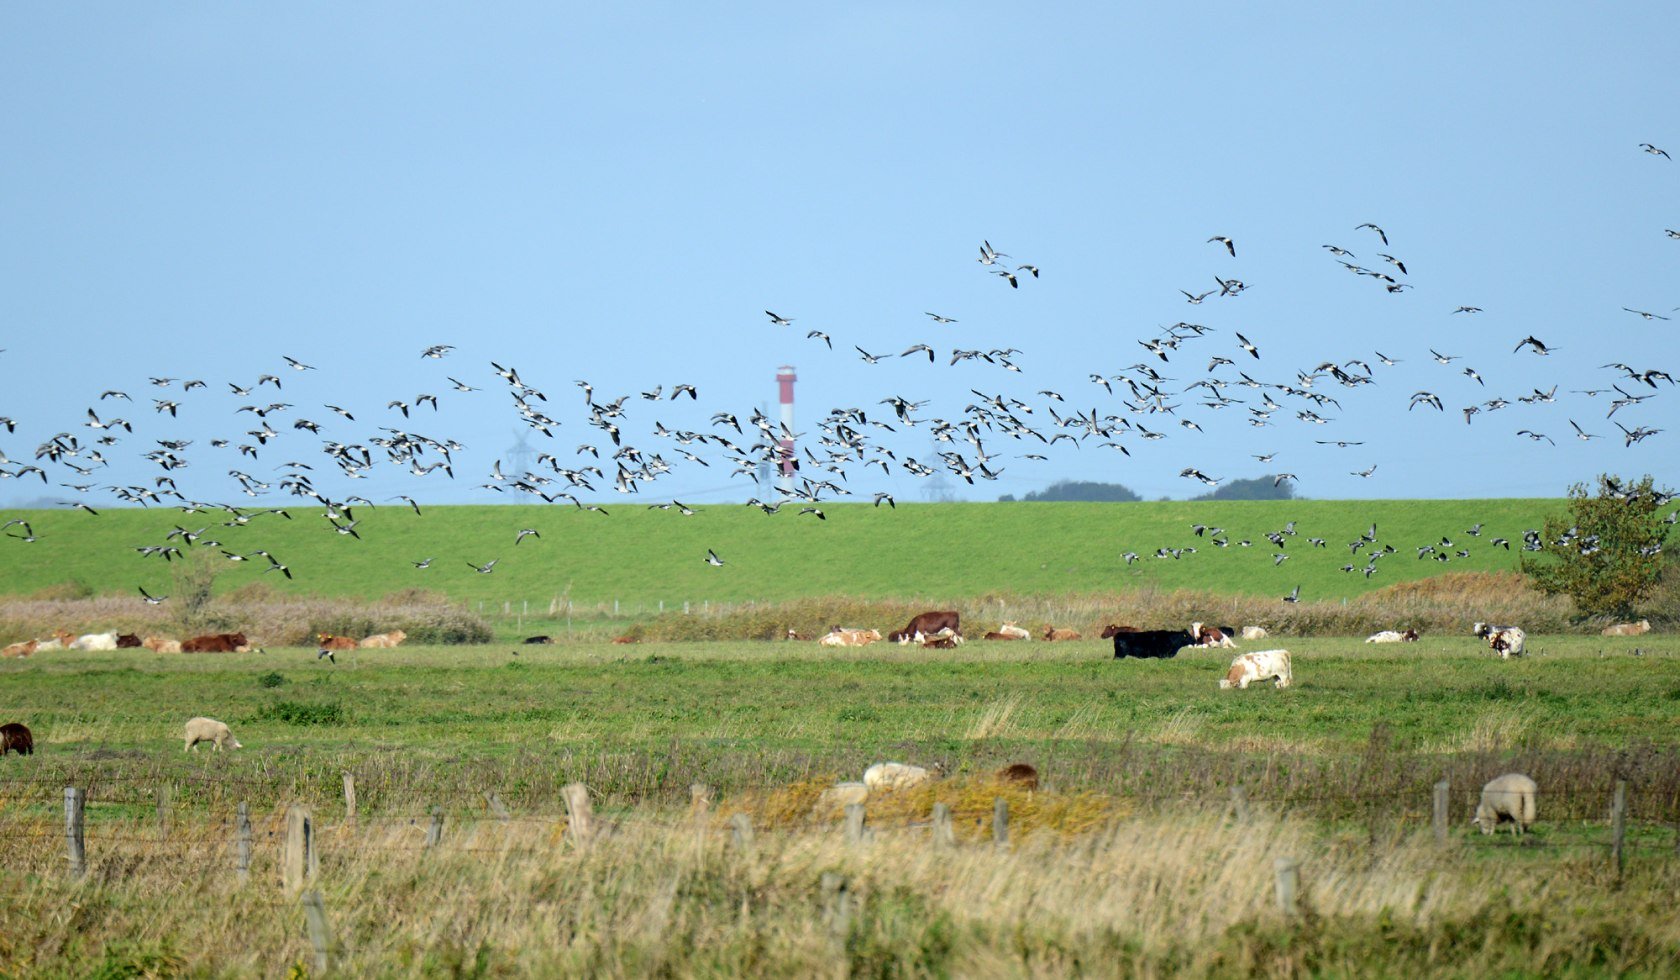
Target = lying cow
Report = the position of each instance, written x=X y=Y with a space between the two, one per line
x=327 y=641
x=1258 y=666
x=217 y=643
x=838 y=637
x=128 y=641
x=1393 y=636
x=1507 y=641
x=94 y=641
x=1212 y=636
x=1013 y=631
x=993 y=635
x=1151 y=644
x=1254 y=633
x=384 y=641
x=21 y=649
x=161 y=644
x=1054 y=635
x=1628 y=629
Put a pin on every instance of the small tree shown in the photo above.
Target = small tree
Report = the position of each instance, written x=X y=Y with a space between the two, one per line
x=1606 y=551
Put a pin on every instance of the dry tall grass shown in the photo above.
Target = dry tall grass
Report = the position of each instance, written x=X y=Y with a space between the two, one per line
x=1187 y=892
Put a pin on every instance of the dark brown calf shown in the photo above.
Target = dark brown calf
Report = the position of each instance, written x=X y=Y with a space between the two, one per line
x=16 y=738
x=126 y=641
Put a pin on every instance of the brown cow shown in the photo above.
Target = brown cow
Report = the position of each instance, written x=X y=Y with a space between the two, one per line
x=127 y=641
x=16 y=737
x=216 y=643
x=22 y=649
x=1111 y=630
x=1019 y=773
x=994 y=635
x=929 y=623
x=327 y=641
x=940 y=643
x=1052 y=634
x=627 y=638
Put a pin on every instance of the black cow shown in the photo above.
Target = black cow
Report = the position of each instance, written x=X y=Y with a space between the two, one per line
x=1151 y=644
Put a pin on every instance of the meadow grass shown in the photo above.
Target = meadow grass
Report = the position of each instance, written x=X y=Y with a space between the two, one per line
x=640 y=558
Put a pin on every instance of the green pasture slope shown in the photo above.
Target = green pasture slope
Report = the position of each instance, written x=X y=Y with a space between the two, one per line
x=645 y=556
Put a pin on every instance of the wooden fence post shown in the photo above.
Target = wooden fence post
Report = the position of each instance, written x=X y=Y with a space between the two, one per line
x=854 y=823
x=1000 y=822
x=299 y=860
x=837 y=904
x=349 y=798
x=74 y=800
x=943 y=835
x=1239 y=804
x=1442 y=791
x=580 y=817
x=320 y=936
x=434 y=833
x=1618 y=824
x=242 y=842
x=742 y=825
x=1288 y=884
x=163 y=810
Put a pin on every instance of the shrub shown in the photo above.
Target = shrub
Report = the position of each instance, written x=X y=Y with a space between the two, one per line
x=1606 y=552
x=300 y=713
x=271 y=679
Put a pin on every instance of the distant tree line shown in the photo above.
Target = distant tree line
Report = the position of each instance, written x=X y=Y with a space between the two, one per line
x=1261 y=488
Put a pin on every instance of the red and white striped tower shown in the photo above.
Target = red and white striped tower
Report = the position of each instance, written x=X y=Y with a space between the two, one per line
x=785 y=460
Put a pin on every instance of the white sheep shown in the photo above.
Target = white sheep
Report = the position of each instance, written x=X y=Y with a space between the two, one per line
x=212 y=731
x=839 y=796
x=1509 y=797
x=896 y=775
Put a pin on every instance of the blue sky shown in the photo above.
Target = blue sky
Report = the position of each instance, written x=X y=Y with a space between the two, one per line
x=591 y=192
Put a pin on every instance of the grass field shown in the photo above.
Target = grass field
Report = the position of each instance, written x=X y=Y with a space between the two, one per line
x=1127 y=859
x=638 y=556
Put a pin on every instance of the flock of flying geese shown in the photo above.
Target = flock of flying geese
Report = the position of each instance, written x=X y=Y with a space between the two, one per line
x=850 y=439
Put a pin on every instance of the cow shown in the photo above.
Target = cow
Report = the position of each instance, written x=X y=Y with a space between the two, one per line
x=940 y=643
x=94 y=641
x=16 y=738
x=327 y=641
x=626 y=638
x=128 y=641
x=217 y=643
x=838 y=637
x=793 y=634
x=1628 y=629
x=929 y=623
x=1258 y=666
x=991 y=635
x=1151 y=644
x=1254 y=633
x=1212 y=636
x=1054 y=635
x=60 y=640
x=384 y=641
x=539 y=640
x=1112 y=629
x=1393 y=636
x=1507 y=641
x=21 y=649
x=161 y=644
x=1014 y=632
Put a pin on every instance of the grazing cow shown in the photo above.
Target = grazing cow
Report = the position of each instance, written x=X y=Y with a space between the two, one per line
x=22 y=649
x=1628 y=629
x=1112 y=629
x=1507 y=641
x=1254 y=633
x=1151 y=644
x=1020 y=774
x=929 y=623
x=897 y=775
x=1393 y=636
x=331 y=642
x=1211 y=636
x=161 y=644
x=217 y=643
x=210 y=730
x=1013 y=631
x=384 y=641
x=1054 y=635
x=127 y=641
x=16 y=738
x=539 y=639
x=838 y=637
x=1259 y=666
x=95 y=641
x=1508 y=797
x=990 y=635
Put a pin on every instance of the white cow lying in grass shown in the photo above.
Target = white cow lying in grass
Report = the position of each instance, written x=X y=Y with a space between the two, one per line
x=849 y=638
x=1507 y=641
x=1393 y=636
x=1259 y=666
x=95 y=641
x=1013 y=631
x=1254 y=633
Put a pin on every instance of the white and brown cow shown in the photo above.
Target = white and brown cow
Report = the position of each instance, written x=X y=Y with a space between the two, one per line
x=1258 y=666
x=1211 y=636
x=838 y=637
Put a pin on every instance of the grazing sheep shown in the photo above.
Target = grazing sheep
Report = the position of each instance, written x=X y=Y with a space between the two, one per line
x=1020 y=774
x=23 y=649
x=1013 y=631
x=897 y=775
x=95 y=641
x=212 y=731
x=1509 y=797
x=840 y=796
x=1053 y=634
x=161 y=644
x=1628 y=629
x=1254 y=633
x=384 y=641
x=16 y=738
x=1259 y=666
